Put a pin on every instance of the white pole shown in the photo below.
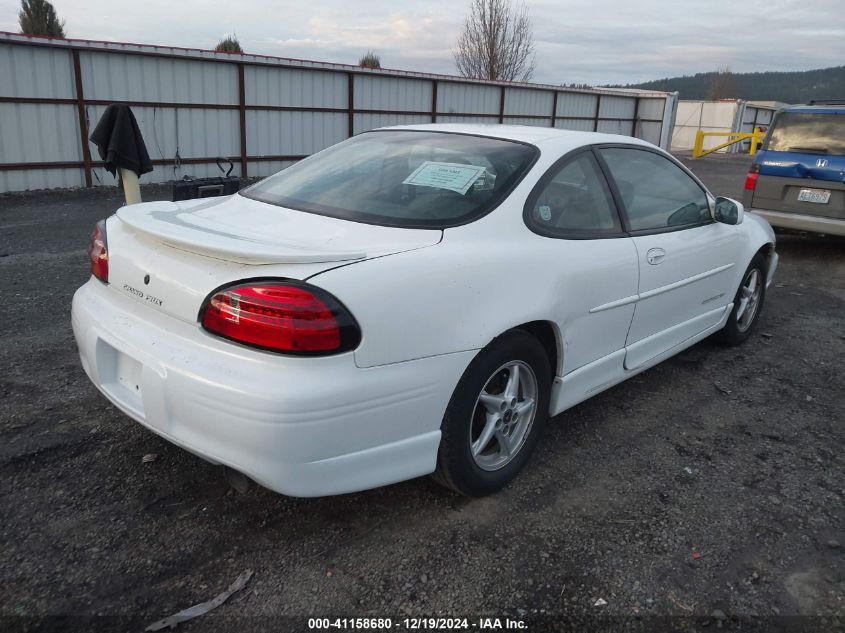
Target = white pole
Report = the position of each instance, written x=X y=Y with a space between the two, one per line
x=131 y=188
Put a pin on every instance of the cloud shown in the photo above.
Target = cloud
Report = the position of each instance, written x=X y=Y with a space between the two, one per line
x=602 y=41
x=630 y=41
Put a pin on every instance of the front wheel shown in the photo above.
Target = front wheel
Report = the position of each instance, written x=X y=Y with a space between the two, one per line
x=494 y=418
x=748 y=304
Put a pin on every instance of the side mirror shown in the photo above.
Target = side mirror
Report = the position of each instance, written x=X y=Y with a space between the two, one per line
x=728 y=211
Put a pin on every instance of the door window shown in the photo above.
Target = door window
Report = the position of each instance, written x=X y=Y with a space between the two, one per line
x=574 y=201
x=657 y=194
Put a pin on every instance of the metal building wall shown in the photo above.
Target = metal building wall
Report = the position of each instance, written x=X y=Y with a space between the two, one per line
x=710 y=116
x=262 y=112
x=32 y=132
x=754 y=116
x=751 y=116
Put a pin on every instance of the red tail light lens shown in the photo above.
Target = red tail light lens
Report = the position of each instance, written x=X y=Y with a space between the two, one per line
x=287 y=317
x=751 y=178
x=98 y=252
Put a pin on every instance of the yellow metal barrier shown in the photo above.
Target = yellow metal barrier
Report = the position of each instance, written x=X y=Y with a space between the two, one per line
x=733 y=137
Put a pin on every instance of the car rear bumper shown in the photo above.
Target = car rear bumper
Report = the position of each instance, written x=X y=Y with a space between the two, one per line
x=299 y=426
x=801 y=222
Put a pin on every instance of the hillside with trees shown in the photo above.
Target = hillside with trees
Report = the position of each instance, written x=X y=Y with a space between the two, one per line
x=789 y=87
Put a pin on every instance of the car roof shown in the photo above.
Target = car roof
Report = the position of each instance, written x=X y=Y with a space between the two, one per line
x=542 y=137
x=817 y=109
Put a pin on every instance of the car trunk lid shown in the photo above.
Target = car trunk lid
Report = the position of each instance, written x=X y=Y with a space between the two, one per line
x=247 y=231
x=172 y=256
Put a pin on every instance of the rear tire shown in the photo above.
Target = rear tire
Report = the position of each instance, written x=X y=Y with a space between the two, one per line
x=748 y=304
x=495 y=416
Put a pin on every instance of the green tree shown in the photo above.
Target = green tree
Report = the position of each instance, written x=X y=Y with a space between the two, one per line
x=229 y=44
x=370 y=60
x=38 y=17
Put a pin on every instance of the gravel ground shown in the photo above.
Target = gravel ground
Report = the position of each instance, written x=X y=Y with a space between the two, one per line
x=709 y=485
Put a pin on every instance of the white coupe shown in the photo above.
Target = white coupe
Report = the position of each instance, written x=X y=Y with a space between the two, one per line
x=413 y=300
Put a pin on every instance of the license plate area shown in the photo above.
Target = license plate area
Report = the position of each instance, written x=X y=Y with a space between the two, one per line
x=128 y=373
x=120 y=376
x=817 y=196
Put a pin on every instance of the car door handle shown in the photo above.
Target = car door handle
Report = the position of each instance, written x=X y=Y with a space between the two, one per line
x=655 y=256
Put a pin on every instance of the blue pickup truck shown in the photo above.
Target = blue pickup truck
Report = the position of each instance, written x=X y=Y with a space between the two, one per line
x=797 y=179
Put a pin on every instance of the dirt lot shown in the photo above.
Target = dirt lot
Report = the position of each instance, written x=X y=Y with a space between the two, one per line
x=713 y=482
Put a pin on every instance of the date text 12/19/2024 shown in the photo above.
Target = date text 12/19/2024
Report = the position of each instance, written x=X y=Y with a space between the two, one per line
x=417 y=624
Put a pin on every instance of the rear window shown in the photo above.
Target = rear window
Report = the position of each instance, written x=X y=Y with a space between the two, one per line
x=808 y=132
x=402 y=178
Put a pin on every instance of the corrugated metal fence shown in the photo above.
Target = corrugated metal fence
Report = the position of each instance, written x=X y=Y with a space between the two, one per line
x=265 y=113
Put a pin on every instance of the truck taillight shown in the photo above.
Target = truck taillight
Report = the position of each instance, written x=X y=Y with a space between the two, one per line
x=751 y=177
x=98 y=252
x=282 y=316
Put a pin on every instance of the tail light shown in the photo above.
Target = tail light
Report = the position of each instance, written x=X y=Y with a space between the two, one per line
x=751 y=177
x=282 y=316
x=98 y=252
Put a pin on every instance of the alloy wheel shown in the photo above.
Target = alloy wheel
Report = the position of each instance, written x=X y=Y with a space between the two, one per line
x=503 y=415
x=749 y=299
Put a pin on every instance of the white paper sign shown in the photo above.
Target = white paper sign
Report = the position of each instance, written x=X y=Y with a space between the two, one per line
x=452 y=176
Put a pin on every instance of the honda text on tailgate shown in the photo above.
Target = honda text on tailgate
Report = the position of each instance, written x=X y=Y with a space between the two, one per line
x=797 y=180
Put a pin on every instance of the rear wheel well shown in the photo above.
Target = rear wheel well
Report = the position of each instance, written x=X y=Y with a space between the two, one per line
x=546 y=333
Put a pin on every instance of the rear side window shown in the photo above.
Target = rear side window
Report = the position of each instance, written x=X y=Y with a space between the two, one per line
x=657 y=194
x=412 y=179
x=574 y=200
x=808 y=132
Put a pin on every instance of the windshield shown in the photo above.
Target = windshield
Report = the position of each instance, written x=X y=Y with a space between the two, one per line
x=402 y=178
x=808 y=132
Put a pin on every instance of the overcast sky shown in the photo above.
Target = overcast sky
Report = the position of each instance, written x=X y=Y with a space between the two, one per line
x=582 y=41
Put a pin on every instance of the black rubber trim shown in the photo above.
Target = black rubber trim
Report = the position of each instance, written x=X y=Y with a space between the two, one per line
x=614 y=191
x=350 y=331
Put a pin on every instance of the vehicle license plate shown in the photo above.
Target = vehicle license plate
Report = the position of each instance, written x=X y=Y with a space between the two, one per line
x=819 y=196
